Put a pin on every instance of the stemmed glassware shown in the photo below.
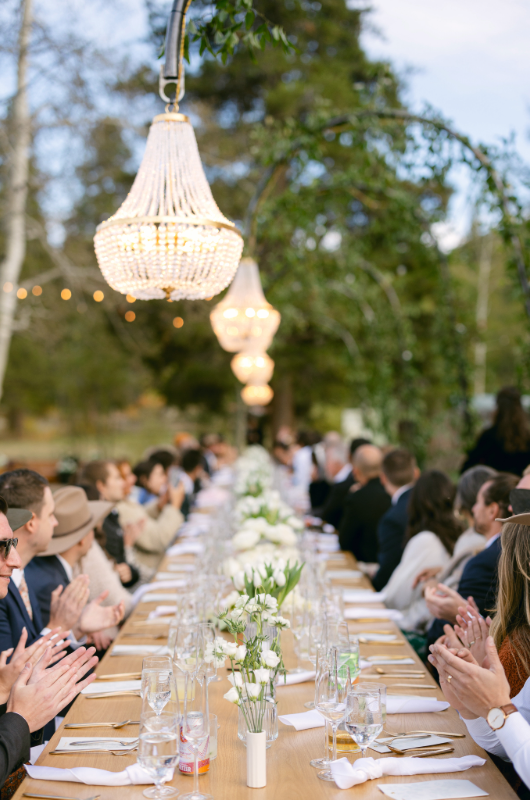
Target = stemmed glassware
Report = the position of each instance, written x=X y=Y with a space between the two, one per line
x=158 y=753
x=158 y=684
x=195 y=731
x=331 y=694
x=323 y=663
x=188 y=654
x=364 y=716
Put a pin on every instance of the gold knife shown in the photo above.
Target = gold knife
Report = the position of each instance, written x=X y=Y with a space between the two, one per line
x=119 y=675
x=114 y=694
x=399 y=642
x=411 y=686
x=56 y=796
x=387 y=657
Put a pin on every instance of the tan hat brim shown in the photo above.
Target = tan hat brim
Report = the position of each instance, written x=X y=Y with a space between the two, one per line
x=59 y=544
x=17 y=517
x=517 y=519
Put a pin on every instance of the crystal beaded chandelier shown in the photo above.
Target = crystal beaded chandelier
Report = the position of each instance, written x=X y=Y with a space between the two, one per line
x=169 y=238
x=257 y=394
x=252 y=366
x=244 y=318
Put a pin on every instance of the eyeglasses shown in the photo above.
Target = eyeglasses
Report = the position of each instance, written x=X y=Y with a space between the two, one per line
x=6 y=545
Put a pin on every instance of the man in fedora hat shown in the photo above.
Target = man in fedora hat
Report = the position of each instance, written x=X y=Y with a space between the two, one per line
x=72 y=539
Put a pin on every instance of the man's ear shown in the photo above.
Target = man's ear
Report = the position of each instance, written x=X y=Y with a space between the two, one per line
x=99 y=486
x=30 y=527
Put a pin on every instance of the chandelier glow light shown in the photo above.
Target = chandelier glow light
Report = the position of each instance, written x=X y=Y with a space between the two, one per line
x=252 y=367
x=169 y=238
x=243 y=317
x=257 y=394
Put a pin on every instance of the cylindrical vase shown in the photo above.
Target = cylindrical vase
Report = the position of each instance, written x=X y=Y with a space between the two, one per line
x=256 y=760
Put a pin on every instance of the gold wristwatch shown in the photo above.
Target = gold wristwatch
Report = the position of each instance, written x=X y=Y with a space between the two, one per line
x=498 y=716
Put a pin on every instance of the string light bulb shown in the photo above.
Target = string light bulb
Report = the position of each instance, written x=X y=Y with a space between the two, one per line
x=244 y=318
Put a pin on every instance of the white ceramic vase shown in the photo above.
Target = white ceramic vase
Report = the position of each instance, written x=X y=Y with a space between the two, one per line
x=256 y=759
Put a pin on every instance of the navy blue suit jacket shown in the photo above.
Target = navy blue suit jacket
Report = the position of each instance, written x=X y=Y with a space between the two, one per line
x=14 y=617
x=390 y=540
x=479 y=579
x=45 y=573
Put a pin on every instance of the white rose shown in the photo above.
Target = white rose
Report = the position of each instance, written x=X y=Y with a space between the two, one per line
x=262 y=675
x=240 y=653
x=253 y=690
x=236 y=679
x=270 y=659
x=279 y=577
x=232 y=696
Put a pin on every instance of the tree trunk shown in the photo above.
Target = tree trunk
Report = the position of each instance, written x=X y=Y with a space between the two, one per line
x=17 y=195
x=481 y=314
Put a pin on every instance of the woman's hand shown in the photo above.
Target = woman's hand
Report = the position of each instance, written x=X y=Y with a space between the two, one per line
x=426 y=575
x=474 y=630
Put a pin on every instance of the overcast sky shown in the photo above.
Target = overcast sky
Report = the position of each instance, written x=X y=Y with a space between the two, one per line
x=470 y=59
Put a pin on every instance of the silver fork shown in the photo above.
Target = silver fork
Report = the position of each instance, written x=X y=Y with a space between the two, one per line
x=104 y=741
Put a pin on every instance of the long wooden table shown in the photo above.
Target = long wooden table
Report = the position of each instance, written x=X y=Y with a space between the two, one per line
x=289 y=774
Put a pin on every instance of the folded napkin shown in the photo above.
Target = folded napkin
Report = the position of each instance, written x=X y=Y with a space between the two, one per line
x=164 y=576
x=432 y=790
x=408 y=744
x=304 y=721
x=67 y=743
x=363 y=596
x=180 y=567
x=130 y=776
x=338 y=574
x=296 y=677
x=397 y=661
x=163 y=614
x=347 y=775
x=410 y=704
x=212 y=496
x=159 y=597
x=139 y=650
x=174 y=583
x=185 y=548
x=112 y=686
x=377 y=637
x=372 y=613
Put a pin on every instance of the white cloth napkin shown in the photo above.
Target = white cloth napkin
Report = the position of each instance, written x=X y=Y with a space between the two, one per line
x=338 y=574
x=408 y=744
x=164 y=576
x=67 y=743
x=396 y=661
x=180 y=567
x=159 y=597
x=186 y=548
x=112 y=686
x=377 y=637
x=163 y=614
x=139 y=650
x=296 y=677
x=132 y=775
x=411 y=704
x=212 y=496
x=347 y=775
x=363 y=596
x=304 y=721
x=372 y=613
x=174 y=583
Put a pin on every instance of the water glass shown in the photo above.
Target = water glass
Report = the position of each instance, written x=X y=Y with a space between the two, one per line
x=364 y=718
x=365 y=686
x=331 y=693
x=158 y=754
x=195 y=732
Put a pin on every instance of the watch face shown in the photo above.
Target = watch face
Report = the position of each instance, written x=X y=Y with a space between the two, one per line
x=496 y=718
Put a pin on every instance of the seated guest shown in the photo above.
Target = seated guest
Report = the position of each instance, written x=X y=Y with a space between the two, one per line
x=211 y=447
x=341 y=483
x=470 y=542
x=364 y=506
x=398 y=474
x=105 y=477
x=160 y=520
x=479 y=578
x=431 y=535
x=58 y=565
x=151 y=481
x=319 y=487
x=190 y=477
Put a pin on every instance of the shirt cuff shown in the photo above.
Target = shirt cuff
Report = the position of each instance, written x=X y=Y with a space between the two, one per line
x=514 y=733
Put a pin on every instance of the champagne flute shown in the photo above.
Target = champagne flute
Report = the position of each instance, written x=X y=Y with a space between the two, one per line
x=158 y=687
x=187 y=654
x=322 y=664
x=364 y=716
x=331 y=694
x=158 y=754
x=196 y=730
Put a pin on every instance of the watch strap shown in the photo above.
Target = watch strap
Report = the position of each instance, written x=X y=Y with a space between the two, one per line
x=508 y=709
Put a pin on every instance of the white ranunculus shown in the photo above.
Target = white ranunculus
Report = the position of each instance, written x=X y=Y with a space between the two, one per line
x=282 y=623
x=279 y=577
x=268 y=601
x=244 y=540
x=270 y=659
x=236 y=679
x=240 y=653
x=232 y=696
x=262 y=675
x=253 y=690
x=229 y=648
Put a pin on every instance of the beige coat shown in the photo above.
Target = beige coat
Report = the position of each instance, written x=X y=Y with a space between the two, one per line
x=160 y=528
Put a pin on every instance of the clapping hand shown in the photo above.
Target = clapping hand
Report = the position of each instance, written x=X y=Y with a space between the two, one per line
x=96 y=617
x=443 y=602
x=425 y=575
x=22 y=655
x=68 y=603
x=473 y=630
x=132 y=531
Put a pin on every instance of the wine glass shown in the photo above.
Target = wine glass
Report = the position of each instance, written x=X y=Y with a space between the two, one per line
x=337 y=634
x=195 y=731
x=188 y=653
x=323 y=663
x=331 y=694
x=317 y=649
x=349 y=656
x=364 y=716
x=158 y=687
x=158 y=753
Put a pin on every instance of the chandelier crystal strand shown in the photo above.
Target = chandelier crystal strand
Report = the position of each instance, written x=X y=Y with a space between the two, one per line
x=252 y=366
x=257 y=394
x=169 y=238
x=244 y=317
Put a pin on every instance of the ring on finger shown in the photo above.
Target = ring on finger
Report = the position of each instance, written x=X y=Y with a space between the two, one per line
x=472 y=643
x=449 y=678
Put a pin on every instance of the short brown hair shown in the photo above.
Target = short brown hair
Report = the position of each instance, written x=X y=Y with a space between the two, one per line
x=95 y=471
x=398 y=466
x=23 y=488
x=498 y=491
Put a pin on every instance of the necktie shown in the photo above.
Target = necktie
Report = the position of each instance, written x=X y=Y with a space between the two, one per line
x=24 y=593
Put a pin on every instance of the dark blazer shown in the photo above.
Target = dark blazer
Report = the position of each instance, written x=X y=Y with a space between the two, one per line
x=318 y=494
x=489 y=450
x=14 y=617
x=479 y=579
x=45 y=573
x=362 y=511
x=333 y=509
x=15 y=742
x=114 y=544
x=390 y=540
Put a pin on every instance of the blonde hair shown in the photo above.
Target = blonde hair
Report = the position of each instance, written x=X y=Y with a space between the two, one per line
x=512 y=617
